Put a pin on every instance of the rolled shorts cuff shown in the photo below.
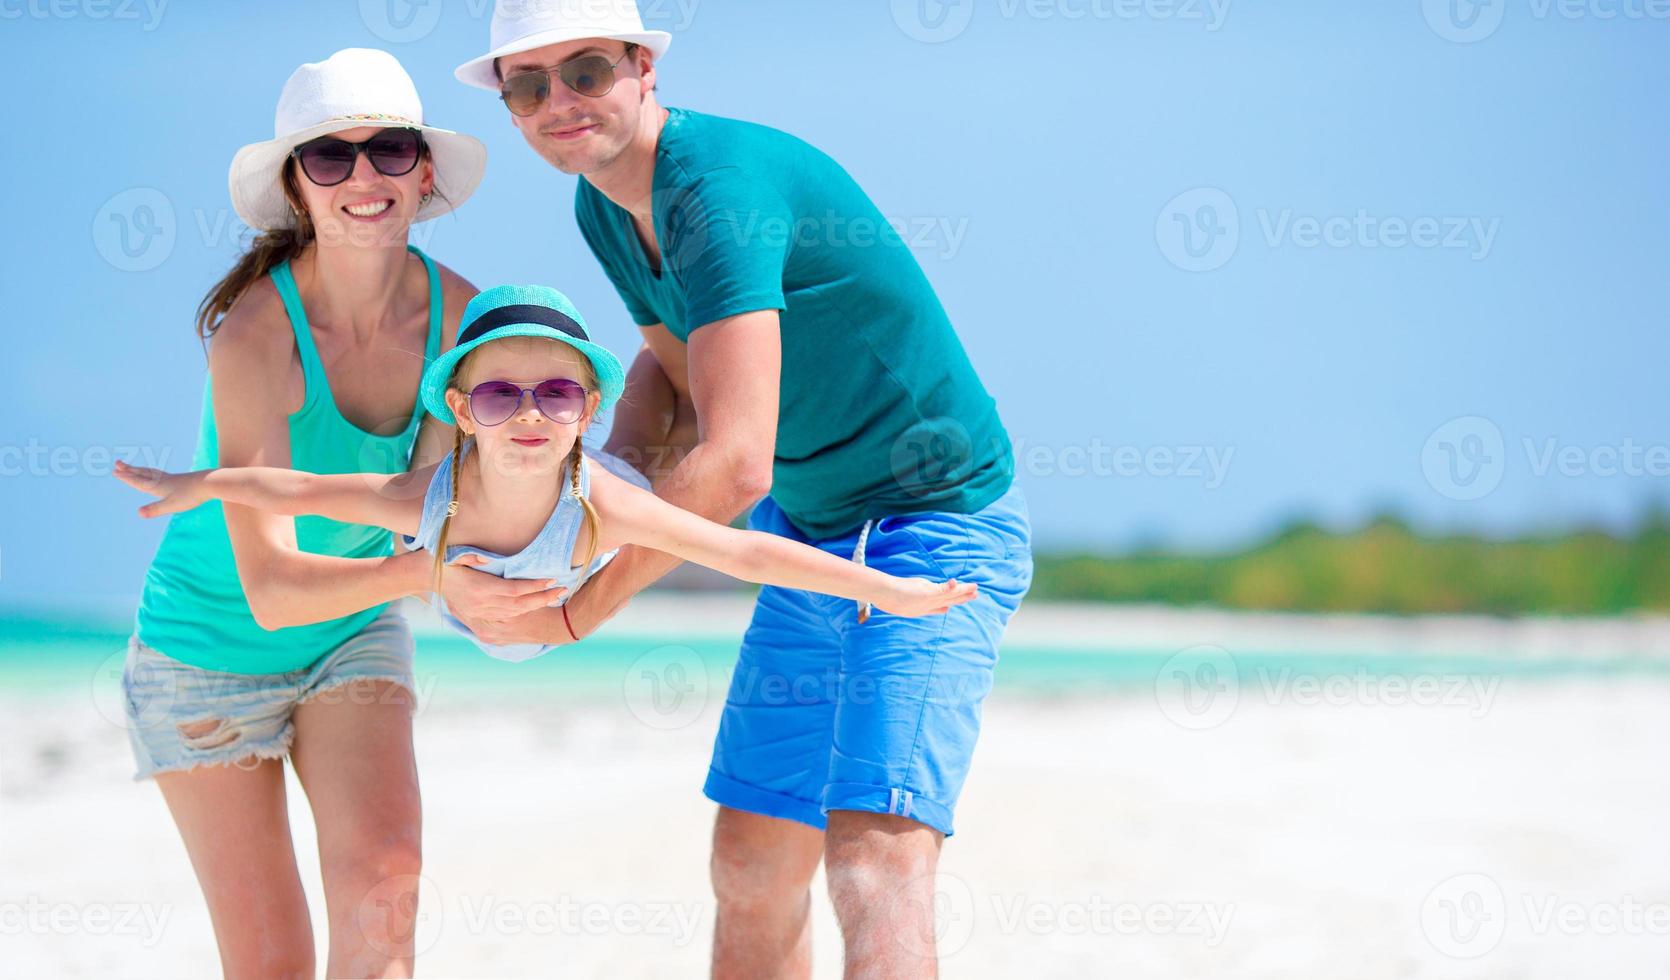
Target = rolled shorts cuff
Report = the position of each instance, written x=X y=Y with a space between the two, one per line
x=888 y=799
x=726 y=791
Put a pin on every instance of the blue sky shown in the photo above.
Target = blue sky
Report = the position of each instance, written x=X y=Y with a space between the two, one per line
x=1221 y=265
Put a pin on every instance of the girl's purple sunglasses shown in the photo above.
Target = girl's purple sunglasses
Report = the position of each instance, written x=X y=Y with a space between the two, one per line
x=561 y=400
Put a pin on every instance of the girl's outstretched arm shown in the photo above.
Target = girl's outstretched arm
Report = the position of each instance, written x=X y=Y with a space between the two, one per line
x=630 y=515
x=392 y=501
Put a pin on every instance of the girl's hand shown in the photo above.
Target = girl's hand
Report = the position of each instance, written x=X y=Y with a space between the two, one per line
x=923 y=597
x=178 y=491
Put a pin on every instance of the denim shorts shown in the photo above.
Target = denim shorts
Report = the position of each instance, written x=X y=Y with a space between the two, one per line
x=827 y=713
x=180 y=717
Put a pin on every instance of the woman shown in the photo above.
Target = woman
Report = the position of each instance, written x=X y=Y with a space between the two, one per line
x=246 y=650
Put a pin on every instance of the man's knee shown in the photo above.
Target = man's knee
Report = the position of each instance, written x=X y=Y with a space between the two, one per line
x=873 y=856
x=758 y=860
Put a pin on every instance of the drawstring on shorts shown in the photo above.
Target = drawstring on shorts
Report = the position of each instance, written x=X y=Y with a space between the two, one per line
x=858 y=556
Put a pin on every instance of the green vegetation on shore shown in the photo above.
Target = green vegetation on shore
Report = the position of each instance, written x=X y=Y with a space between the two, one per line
x=1387 y=567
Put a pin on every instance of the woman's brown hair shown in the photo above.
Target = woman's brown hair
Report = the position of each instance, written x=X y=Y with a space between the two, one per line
x=269 y=249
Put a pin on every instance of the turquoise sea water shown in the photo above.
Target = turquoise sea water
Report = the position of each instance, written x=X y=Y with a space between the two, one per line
x=56 y=652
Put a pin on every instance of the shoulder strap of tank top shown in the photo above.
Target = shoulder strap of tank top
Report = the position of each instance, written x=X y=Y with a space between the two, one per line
x=312 y=370
x=437 y=306
x=431 y=346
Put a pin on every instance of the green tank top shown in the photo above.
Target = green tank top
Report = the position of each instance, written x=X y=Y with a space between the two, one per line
x=193 y=608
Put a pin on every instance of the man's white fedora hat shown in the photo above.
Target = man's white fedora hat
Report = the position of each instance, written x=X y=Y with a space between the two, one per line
x=522 y=25
x=352 y=88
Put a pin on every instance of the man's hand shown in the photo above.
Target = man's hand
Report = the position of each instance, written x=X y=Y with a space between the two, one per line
x=542 y=626
x=487 y=604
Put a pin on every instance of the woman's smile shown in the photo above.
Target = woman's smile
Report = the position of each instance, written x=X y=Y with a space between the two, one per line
x=368 y=210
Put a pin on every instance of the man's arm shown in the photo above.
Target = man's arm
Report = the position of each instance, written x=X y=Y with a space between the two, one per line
x=735 y=367
x=643 y=426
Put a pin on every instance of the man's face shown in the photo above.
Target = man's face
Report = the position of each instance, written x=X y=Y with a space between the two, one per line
x=575 y=133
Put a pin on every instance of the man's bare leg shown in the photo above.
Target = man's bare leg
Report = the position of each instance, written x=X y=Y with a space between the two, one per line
x=762 y=874
x=881 y=879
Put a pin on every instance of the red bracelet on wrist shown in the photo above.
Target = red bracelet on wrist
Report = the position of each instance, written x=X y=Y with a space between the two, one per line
x=565 y=622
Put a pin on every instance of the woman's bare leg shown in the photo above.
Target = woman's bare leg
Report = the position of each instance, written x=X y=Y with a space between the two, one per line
x=237 y=831
x=353 y=754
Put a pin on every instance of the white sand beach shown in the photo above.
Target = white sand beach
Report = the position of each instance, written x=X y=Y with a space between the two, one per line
x=1320 y=826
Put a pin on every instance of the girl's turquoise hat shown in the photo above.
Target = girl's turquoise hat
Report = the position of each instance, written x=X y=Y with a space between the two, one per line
x=520 y=311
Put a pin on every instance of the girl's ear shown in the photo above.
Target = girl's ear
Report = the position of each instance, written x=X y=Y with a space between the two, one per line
x=460 y=405
x=593 y=400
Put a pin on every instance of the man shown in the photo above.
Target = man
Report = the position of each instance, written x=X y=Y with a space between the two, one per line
x=792 y=345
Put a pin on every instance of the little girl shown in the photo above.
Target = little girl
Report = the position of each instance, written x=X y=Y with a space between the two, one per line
x=518 y=497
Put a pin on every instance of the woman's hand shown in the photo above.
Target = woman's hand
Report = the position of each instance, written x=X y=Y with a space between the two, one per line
x=485 y=602
x=924 y=597
x=177 y=491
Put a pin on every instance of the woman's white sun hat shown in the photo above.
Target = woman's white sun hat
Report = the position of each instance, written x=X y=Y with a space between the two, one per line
x=352 y=88
x=522 y=25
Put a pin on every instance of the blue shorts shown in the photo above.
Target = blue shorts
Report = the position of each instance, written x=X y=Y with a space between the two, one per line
x=825 y=713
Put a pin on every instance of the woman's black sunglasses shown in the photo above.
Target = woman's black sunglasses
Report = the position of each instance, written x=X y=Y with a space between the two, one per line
x=329 y=161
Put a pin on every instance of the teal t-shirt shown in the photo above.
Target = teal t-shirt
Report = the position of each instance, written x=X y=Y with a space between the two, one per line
x=881 y=412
